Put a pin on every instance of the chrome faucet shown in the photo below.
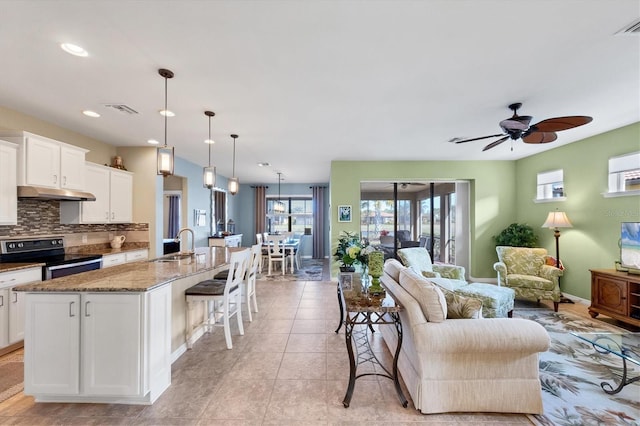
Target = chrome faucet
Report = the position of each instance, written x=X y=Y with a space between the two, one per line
x=193 y=240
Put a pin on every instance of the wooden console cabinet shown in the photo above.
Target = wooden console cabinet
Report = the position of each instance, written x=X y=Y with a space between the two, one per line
x=616 y=295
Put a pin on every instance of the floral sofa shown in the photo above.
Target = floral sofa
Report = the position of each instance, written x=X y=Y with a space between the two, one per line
x=497 y=302
x=529 y=273
x=461 y=365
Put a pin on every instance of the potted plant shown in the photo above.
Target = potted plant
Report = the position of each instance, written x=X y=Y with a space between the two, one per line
x=347 y=251
x=517 y=235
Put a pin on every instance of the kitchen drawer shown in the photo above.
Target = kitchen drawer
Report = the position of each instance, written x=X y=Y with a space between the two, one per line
x=113 y=260
x=22 y=276
x=134 y=256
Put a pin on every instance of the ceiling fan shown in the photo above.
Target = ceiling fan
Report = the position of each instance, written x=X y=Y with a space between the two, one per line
x=517 y=127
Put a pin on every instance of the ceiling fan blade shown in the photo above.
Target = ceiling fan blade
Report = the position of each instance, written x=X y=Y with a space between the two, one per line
x=557 y=124
x=482 y=137
x=540 y=137
x=496 y=143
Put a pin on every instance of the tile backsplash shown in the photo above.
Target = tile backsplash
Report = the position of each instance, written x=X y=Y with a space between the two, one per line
x=42 y=218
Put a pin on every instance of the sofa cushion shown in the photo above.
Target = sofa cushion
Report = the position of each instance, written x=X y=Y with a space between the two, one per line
x=529 y=281
x=428 y=274
x=393 y=268
x=462 y=307
x=429 y=297
x=417 y=257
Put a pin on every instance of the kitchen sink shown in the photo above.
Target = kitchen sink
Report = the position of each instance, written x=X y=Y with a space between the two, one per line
x=173 y=258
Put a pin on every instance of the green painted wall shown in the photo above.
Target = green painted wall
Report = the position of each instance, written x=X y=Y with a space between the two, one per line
x=593 y=240
x=493 y=205
x=502 y=192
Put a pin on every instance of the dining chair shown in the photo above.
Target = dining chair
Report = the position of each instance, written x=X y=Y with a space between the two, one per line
x=222 y=299
x=255 y=257
x=277 y=253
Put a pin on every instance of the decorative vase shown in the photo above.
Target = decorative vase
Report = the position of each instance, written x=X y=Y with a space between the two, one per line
x=376 y=261
x=347 y=269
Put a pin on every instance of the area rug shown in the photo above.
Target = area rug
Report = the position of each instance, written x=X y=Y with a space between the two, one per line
x=310 y=270
x=571 y=372
x=11 y=376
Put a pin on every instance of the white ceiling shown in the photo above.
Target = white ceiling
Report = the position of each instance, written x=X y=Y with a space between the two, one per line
x=306 y=82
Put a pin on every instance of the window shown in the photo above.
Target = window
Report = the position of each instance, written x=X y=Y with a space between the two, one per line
x=550 y=186
x=624 y=175
x=297 y=215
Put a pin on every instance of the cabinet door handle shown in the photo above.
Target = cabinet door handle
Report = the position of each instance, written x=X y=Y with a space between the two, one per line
x=106 y=215
x=64 y=180
x=71 y=310
x=15 y=297
x=55 y=178
x=7 y=281
x=113 y=215
x=86 y=309
x=1 y=301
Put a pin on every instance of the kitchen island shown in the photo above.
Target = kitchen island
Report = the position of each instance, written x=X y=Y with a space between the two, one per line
x=110 y=335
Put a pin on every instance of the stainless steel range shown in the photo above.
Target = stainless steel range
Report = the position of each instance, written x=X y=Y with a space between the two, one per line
x=49 y=251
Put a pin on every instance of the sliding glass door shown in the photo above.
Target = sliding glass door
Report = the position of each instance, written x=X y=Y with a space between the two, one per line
x=412 y=214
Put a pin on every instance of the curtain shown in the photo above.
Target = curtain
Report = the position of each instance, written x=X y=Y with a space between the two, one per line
x=174 y=216
x=219 y=208
x=318 y=222
x=261 y=208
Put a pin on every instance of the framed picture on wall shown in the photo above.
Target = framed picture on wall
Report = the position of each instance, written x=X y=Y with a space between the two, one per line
x=344 y=213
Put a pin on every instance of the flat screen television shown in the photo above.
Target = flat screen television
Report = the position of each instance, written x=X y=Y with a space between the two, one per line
x=630 y=247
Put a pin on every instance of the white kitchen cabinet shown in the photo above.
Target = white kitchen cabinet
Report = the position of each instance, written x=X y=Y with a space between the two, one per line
x=124 y=257
x=47 y=162
x=12 y=304
x=113 y=189
x=109 y=260
x=8 y=184
x=136 y=255
x=228 y=241
x=98 y=347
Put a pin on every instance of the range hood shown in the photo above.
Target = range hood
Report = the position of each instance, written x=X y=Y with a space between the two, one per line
x=43 y=193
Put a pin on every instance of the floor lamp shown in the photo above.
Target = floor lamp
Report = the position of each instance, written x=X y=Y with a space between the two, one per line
x=556 y=220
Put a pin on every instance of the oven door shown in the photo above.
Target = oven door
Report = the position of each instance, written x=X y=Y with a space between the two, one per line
x=58 y=271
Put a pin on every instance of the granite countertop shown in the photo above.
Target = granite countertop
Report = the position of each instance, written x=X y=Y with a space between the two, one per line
x=137 y=276
x=7 y=267
x=106 y=250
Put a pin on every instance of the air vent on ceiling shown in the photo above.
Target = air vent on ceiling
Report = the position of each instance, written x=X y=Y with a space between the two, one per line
x=122 y=108
x=633 y=28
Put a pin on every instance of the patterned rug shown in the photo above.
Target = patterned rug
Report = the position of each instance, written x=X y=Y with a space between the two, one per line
x=310 y=270
x=571 y=372
x=11 y=375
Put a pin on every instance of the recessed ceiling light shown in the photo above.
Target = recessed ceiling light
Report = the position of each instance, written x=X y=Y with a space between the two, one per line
x=209 y=141
x=167 y=113
x=74 y=50
x=264 y=164
x=153 y=142
x=90 y=113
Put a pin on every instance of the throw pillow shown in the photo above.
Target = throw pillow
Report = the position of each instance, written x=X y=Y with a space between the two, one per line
x=429 y=274
x=462 y=307
x=393 y=268
x=428 y=296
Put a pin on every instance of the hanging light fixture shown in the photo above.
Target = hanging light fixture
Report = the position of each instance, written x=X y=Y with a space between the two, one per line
x=278 y=206
x=209 y=172
x=234 y=183
x=165 y=153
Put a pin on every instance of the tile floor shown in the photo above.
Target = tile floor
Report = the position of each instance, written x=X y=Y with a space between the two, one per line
x=289 y=368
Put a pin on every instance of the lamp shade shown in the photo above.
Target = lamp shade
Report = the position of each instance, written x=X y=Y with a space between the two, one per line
x=557 y=220
x=209 y=177
x=165 y=160
x=234 y=185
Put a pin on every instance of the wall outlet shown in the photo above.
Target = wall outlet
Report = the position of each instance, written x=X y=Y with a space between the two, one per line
x=84 y=238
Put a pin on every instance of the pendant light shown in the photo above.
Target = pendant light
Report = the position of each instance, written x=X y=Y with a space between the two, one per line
x=165 y=153
x=278 y=206
x=234 y=183
x=209 y=172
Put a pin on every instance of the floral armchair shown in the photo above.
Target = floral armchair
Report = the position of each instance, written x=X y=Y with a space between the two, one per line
x=528 y=272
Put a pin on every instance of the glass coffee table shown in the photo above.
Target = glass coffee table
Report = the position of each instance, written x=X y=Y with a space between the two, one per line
x=625 y=345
